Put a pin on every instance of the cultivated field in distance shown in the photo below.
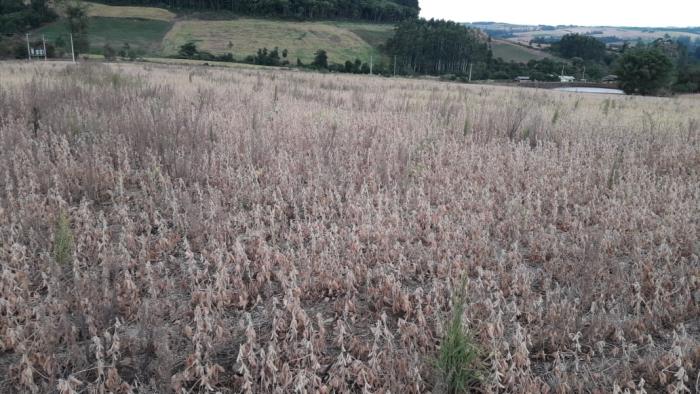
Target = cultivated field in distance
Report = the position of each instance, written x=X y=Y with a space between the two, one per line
x=622 y=33
x=109 y=11
x=182 y=228
x=510 y=51
x=143 y=34
x=159 y=32
x=244 y=36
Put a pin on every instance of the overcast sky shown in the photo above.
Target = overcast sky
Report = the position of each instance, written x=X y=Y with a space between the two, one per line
x=677 y=13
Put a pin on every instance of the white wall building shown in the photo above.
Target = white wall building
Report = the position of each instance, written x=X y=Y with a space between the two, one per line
x=566 y=78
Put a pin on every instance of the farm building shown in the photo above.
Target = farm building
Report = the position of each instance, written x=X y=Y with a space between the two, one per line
x=566 y=78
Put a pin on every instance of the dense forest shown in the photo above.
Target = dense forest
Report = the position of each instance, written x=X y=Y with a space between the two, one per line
x=581 y=46
x=17 y=16
x=370 y=10
x=437 y=46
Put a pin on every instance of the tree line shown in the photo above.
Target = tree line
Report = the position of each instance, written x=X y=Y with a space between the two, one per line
x=369 y=10
x=275 y=57
x=582 y=46
x=18 y=16
x=662 y=66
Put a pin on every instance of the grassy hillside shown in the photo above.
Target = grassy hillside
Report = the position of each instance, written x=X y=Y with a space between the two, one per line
x=102 y=10
x=374 y=34
x=509 y=51
x=342 y=41
x=143 y=34
x=157 y=32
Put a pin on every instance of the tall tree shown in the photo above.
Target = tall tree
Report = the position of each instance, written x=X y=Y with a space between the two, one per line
x=644 y=71
x=437 y=47
x=577 y=45
x=77 y=18
x=320 y=59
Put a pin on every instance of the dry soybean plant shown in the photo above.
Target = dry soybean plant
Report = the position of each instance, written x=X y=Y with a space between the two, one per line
x=270 y=231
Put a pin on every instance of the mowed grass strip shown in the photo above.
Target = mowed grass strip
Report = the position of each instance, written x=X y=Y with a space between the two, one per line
x=509 y=51
x=108 y=11
x=301 y=39
x=375 y=34
x=141 y=34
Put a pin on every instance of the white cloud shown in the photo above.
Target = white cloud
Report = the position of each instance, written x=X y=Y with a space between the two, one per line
x=678 y=13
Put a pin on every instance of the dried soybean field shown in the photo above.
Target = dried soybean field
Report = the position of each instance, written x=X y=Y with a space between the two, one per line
x=192 y=229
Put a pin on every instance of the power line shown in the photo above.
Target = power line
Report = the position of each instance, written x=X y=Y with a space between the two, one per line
x=72 y=51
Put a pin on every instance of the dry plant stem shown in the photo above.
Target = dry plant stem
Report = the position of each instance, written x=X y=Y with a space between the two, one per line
x=200 y=229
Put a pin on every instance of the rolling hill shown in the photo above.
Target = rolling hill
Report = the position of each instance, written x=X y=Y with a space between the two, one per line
x=145 y=35
x=242 y=37
x=513 y=42
x=158 y=32
x=611 y=34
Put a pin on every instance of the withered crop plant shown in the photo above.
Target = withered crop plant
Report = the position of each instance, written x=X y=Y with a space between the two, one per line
x=190 y=229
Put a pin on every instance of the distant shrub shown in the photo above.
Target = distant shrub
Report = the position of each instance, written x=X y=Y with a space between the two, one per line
x=7 y=48
x=267 y=57
x=109 y=53
x=365 y=69
x=320 y=59
x=127 y=52
x=500 y=75
x=644 y=71
x=688 y=87
x=63 y=240
x=228 y=57
x=189 y=51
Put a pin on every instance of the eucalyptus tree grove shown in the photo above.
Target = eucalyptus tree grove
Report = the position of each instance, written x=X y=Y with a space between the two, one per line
x=437 y=47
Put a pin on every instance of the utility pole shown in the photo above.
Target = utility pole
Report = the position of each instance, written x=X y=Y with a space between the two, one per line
x=43 y=40
x=470 y=72
x=394 y=65
x=72 y=51
x=370 y=65
x=29 y=53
